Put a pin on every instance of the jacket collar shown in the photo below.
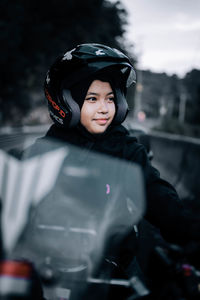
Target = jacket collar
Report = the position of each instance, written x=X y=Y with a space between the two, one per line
x=81 y=133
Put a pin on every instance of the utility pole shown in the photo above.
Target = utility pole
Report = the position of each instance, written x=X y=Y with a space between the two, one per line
x=182 y=104
x=138 y=96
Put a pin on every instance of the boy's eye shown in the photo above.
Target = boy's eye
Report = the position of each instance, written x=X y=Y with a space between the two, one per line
x=92 y=99
x=111 y=99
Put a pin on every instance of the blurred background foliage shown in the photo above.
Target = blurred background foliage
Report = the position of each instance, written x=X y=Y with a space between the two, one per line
x=33 y=33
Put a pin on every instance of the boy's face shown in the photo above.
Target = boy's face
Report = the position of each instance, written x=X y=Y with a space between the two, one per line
x=98 y=109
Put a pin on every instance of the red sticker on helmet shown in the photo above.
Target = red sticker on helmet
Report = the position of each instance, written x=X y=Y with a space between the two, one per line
x=55 y=106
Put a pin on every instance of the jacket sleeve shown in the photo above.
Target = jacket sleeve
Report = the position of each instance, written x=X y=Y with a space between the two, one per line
x=164 y=208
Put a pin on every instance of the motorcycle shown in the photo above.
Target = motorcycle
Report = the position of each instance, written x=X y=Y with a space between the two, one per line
x=65 y=218
x=63 y=213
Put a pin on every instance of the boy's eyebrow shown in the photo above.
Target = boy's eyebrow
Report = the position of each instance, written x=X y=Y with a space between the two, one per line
x=93 y=93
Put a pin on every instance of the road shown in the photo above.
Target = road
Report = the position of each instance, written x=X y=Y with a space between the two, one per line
x=20 y=137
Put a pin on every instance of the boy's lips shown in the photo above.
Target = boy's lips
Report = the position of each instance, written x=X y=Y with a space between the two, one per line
x=101 y=121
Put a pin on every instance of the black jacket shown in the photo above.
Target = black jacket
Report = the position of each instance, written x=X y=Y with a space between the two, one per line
x=164 y=208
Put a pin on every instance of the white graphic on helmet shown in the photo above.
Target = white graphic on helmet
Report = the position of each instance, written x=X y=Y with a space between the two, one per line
x=124 y=70
x=68 y=55
x=100 y=52
x=47 y=78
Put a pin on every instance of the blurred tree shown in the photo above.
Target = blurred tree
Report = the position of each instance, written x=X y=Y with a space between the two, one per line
x=34 y=32
x=156 y=92
x=175 y=101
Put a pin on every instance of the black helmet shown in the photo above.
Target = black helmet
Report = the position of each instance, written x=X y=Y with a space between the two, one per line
x=75 y=66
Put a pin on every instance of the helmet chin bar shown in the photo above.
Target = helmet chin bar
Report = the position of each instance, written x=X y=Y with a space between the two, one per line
x=121 y=107
x=71 y=106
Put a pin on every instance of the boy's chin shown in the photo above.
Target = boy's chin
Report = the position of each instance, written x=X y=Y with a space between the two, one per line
x=98 y=131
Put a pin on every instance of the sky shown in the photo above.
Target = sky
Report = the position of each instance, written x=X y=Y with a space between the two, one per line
x=166 y=34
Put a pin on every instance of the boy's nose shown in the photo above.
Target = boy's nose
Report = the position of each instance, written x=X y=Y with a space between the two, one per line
x=103 y=106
